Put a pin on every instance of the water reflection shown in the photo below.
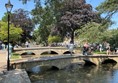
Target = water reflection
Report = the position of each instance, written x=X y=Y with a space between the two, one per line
x=93 y=74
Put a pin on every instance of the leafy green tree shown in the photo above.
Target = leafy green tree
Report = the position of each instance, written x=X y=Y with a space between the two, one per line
x=41 y=36
x=74 y=14
x=66 y=15
x=111 y=36
x=21 y=19
x=54 y=39
x=108 y=7
x=15 y=32
x=5 y=17
x=46 y=17
x=114 y=39
x=94 y=31
x=44 y=21
x=91 y=32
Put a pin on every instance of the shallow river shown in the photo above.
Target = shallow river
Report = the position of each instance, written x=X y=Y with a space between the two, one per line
x=77 y=74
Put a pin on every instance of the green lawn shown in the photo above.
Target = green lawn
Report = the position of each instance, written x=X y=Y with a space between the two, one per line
x=97 y=52
x=15 y=56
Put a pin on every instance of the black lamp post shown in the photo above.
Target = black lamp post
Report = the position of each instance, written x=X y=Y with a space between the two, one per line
x=9 y=7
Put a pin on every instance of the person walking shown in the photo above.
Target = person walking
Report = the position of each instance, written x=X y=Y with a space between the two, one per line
x=27 y=44
x=85 y=48
x=100 y=47
x=107 y=48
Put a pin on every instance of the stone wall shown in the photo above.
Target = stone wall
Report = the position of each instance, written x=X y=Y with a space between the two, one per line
x=14 y=76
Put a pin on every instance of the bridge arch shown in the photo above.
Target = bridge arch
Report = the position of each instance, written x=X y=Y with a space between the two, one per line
x=41 y=68
x=68 y=52
x=48 y=52
x=28 y=53
x=109 y=61
x=54 y=68
x=89 y=63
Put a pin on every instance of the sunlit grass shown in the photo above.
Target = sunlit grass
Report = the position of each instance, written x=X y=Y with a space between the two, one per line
x=98 y=52
x=15 y=56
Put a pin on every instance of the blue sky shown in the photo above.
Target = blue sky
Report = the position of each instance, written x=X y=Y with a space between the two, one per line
x=30 y=5
x=16 y=5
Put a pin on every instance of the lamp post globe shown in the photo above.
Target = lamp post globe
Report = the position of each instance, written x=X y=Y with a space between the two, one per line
x=9 y=7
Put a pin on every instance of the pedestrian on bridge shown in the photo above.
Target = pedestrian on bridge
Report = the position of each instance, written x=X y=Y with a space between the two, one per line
x=27 y=44
x=71 y=47
x=85 y=48
x=108 y=48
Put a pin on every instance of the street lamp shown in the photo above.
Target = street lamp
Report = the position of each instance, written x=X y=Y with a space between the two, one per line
x=9 y=7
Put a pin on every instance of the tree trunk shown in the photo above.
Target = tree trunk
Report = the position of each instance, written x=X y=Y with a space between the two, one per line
x=72 y=37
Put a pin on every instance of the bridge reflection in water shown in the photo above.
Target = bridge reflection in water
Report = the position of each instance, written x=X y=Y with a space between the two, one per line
x=93 y=74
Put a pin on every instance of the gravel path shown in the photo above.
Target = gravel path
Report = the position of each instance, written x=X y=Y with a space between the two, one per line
x=3 y=66
x=3 y=61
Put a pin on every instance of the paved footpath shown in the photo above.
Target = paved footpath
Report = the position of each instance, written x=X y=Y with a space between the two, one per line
x=3 y=60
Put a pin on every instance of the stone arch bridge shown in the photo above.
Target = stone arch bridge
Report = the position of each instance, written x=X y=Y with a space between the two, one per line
x=40 y=50
x=61 y=62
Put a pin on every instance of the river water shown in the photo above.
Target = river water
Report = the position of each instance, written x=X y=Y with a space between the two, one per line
x=78 y=74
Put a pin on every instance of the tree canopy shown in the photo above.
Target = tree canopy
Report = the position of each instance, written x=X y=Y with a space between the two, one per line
x=46 y=17
x=15 y=32
x=64 y=17
x=74 y=14
x=109 y=7
x=20 y=18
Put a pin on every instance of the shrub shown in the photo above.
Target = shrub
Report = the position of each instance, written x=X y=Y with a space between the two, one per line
x=54 y=39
